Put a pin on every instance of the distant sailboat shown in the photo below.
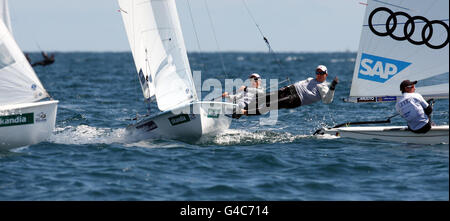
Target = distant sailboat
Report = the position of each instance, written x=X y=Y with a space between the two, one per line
x=24 y=118
x=400 y=40
x=161 y=61
x=48 y=60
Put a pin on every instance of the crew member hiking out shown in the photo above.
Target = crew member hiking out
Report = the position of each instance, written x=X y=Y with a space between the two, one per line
x=246 y=95
x=413 y=108
x=299 y=94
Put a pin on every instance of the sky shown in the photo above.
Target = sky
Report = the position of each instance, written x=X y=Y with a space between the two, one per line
x=290 y=25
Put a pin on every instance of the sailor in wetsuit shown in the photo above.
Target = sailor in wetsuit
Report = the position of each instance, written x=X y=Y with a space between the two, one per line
x=413 y=108
x=246 y=95
x=300 y=93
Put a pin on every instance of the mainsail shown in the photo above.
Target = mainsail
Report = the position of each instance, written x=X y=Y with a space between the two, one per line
x=4 y=14
x=18 y=81
x=402 y=40
x=157 y=45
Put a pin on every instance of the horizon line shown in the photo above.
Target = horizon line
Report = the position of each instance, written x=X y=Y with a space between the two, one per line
x=191 y=52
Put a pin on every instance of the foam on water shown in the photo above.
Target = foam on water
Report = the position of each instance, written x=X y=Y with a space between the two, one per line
x=244 y=137
x=327 y=137
x=157 y=143
x=84 y=134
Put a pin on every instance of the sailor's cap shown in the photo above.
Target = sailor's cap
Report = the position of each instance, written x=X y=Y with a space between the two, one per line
x=406 y=83
x=322 y=68
x=254 y=75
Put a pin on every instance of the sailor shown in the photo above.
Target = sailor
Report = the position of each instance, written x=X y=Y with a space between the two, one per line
x=413 y=108
x=48 y=60
x=301 y=93
x=246 y=95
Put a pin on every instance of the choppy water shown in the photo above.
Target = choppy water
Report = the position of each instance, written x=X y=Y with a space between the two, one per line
x=90 y=157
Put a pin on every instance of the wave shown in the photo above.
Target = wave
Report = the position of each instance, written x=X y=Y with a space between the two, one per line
x=243 y=137
x=326 y=137
x=84 y=134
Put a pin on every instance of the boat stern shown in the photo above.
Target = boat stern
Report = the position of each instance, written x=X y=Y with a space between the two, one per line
x=27 y=124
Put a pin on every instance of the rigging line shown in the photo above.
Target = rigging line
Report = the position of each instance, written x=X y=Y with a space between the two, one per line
x=37 y=44
x=196 y=35
x=271 y=51
x=276 y=86
x=386 y=3
x=215 y=38
x=193 y=24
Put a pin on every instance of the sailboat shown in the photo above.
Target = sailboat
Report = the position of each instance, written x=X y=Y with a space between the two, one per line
x=24 y=118
x=400 y=40
x=157 y=45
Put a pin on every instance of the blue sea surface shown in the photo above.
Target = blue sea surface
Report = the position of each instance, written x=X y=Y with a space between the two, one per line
x=90 y=157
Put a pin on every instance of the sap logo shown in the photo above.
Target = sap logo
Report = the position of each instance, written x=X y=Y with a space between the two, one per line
x=379 y=69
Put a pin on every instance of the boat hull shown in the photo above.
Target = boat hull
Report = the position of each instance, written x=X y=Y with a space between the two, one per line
x=401 y=134
x=26 y=124
x=186 y=123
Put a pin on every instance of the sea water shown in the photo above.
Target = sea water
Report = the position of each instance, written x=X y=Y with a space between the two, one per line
x=91 y=157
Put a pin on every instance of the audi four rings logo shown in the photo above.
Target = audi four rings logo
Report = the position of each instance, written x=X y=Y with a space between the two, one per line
x=408 y=32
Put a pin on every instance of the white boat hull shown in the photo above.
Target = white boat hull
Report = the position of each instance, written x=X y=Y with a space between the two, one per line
x=186 y=123
x=26 y=124
x=437 y=134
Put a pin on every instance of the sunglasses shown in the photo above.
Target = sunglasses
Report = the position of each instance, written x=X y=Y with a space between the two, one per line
x=321 y=72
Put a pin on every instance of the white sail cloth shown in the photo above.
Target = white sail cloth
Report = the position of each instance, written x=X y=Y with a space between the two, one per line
x=158 y=49
x=18 y=81
x=402 y=40
x=4 y=14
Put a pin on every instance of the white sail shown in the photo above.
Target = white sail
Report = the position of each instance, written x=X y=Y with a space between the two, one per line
x=402 y=40
x=158 y=49
x=18 y=81
x=4 y=14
